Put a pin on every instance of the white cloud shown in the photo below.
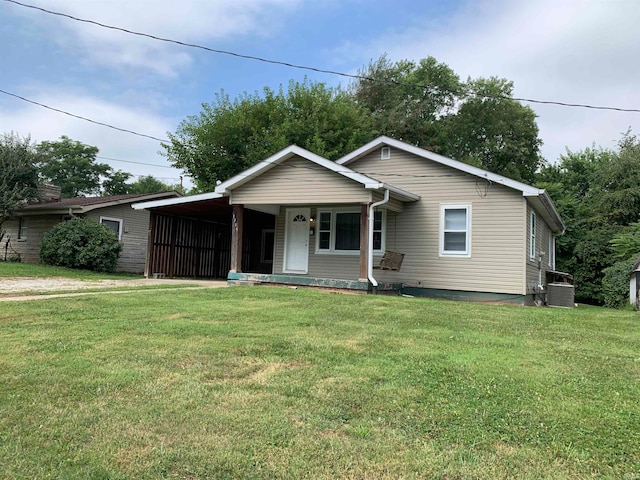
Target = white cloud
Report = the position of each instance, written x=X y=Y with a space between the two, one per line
x=570 y=51
x=186 y=20
x=42 y=124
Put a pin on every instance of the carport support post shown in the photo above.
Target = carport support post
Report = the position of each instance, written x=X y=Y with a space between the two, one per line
x=237 y=219
x=150 y=245
x=364 y=242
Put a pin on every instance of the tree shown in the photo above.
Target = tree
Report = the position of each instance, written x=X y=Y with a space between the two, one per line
x=407 y=100
x=494 y=132
x=597 y=193
x=476 y=121
x=626 y=245
x=115 y=183
x=149 y=184
x=18 y=175
x=618 y=183
x=229 y=136
x=72 y=166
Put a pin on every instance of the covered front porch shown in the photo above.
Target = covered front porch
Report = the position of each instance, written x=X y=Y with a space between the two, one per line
x=331 y=245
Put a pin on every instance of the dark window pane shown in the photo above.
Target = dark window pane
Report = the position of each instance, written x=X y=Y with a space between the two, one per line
x=377 y=221
x=347 y=231
x=324 y=240
x=455 y=241
x=377 y=240
x=325 y=221
x=115 y=226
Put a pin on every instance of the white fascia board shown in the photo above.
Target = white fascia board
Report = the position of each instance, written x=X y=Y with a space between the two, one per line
x=400 y=194
x=175 y=201
x=265 y=165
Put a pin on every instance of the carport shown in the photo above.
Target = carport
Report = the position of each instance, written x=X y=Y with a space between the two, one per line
x=190 y=237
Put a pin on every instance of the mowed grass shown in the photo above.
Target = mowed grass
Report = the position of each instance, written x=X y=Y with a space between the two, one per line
x=13 y=269
x=265 y=382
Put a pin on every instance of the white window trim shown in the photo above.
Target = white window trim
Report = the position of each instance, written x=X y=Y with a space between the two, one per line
x=332 y=235
x=112 y=219
x=455 y=206
x=533 y=225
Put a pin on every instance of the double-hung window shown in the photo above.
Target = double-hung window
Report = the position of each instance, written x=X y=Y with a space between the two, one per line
x=532 y=236
x=339 y=231
x=455 y=230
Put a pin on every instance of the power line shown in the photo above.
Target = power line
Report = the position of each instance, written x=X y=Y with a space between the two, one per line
x=305 y=67
x=131 y=161
x=85 y=118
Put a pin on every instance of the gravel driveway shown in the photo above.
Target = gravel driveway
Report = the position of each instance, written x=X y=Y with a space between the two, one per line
x=18 y=288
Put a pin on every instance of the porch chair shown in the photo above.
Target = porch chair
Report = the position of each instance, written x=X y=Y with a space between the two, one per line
x=390 y=261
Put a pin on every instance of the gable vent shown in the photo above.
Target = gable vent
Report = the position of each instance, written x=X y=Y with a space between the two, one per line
x=385 y=153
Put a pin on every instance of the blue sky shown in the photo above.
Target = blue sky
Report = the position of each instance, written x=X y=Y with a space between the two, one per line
x=576 y=51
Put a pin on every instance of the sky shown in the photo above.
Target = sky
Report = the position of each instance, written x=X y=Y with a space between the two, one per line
x=572 y=51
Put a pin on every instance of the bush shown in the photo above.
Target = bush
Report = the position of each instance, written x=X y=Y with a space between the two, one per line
x=615 y=284
x=81 y=243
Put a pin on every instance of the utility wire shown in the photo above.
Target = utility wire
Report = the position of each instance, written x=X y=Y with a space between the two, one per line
x=84 y=118
x=304 y=67
x=131 y=161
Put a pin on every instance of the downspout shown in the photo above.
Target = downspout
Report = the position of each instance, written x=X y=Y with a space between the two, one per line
x=373 y=281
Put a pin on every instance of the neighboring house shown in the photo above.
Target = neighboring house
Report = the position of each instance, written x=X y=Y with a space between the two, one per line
x=634 y=285
x=465 y=233
x=26 y=229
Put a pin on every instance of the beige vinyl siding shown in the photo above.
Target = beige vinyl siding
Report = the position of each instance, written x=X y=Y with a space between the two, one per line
x=393 y=203
x=298 y=181
x=542 y=245
x=29 y=247
x=497 y=228
x=321 y=265
x=135 y=226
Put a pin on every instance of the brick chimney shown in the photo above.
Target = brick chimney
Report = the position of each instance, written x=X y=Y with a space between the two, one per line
x=48 y=192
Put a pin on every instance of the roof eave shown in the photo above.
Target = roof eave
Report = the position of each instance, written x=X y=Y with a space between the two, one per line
x=175 y=201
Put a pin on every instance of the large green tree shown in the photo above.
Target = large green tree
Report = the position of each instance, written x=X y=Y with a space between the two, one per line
x=478 y=122
x=116 y=183
x=407 y=100
x=229 y=136
x=72 y=166
x=18 y=175
x=493 y=131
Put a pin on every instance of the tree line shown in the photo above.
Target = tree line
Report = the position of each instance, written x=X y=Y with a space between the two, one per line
x=69 y=164
x=66 y=163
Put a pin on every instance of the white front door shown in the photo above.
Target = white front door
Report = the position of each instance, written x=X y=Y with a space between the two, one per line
x=296 y=243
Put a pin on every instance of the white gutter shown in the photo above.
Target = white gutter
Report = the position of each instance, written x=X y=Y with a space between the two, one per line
x=373 y=281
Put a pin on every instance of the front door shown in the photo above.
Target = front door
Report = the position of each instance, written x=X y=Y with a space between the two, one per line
x=296 y=244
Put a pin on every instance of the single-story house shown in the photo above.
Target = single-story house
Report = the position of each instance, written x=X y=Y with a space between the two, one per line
x=634 y=285
x=24 y=232
x=437 y=226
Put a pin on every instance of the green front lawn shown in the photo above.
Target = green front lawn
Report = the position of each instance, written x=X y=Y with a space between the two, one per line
x=265 y=382
x=12 y=269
